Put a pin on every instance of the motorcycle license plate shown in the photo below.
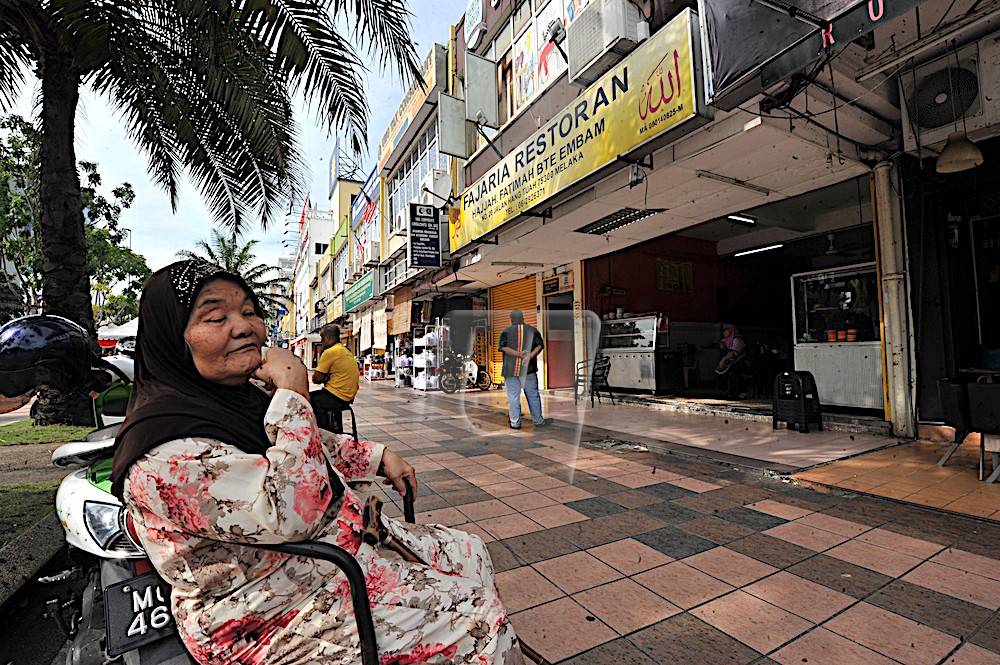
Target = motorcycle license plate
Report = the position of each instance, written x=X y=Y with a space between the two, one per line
x=137 y=612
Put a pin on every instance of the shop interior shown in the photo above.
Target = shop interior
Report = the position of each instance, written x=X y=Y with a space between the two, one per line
x=668 y=298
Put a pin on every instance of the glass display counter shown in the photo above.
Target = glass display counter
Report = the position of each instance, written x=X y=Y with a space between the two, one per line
x=837 y=335
x=636 y=346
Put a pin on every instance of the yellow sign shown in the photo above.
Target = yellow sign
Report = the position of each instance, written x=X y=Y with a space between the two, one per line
x=649 y=92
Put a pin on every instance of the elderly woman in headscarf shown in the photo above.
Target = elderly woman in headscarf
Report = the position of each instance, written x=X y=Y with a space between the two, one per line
x=733 y=362
x=207 y=461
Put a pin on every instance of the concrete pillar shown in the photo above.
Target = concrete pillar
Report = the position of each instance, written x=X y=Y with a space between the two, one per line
x=896 y=329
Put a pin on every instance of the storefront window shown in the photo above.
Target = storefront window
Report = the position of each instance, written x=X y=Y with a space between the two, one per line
x=836 y=306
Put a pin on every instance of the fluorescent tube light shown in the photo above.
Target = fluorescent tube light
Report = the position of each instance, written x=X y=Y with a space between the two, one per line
x=525 y=264
x=759 y=249
x=742 y=219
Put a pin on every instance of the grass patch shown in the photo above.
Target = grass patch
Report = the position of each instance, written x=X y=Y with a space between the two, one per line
x=25 y=431
x=24 y=505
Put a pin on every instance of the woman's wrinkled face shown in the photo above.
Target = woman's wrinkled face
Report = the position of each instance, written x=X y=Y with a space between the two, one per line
x=224 y=333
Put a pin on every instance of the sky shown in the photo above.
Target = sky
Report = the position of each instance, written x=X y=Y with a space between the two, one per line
x=156 y=231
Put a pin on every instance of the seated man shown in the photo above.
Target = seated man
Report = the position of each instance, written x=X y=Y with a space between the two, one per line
x=337 y=370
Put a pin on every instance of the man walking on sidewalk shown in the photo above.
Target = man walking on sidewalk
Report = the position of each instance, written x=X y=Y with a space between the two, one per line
x=520 y=344
x=337 y=370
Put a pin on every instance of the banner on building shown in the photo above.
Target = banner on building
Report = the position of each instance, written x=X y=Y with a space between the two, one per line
x=365 y=338
x=360 y=291
x=650 y=92
x=423 y=240
x=402 y=304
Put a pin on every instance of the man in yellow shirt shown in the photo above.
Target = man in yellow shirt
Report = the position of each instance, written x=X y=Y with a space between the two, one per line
x=337 y=370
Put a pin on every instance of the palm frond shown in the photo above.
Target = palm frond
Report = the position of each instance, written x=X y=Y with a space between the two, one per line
x=384 y=26
x=19 y=26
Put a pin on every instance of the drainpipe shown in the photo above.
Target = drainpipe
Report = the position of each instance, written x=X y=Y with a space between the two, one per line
x=890 y=250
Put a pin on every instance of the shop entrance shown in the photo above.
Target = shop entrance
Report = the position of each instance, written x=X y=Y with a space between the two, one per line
x=560 y=358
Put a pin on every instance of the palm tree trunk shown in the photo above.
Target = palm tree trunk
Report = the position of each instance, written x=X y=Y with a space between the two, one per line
x=65 y=278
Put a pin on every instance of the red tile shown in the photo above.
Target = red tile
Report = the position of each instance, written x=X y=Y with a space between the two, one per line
x=821 y=647
x=694 y=484
x=969 y=562
x=576 y=572
x=508 y=526
x=806 y=536
x=469 y=527
x=568 y=493
x=445 y=516
x=560 y=629
x=729 y=566
x=805 y=598
x=682 y=585
x=892 y=635
x=897 y=542
x=626 y=606
x=506 y=489
x=970 y=654
x=630 y=556
x=874 y=558
x=482 y=510
x=525 y=587
x=957 y=583
x=750 y=620
x=529 y=501
x=833 y=524
x=553 y=516
x=778 y=509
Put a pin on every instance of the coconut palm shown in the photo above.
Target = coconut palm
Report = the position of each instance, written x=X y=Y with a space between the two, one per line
x=203 y=87
x=267 y=282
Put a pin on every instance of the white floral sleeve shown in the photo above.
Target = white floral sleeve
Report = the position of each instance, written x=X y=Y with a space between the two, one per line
x=212 y=489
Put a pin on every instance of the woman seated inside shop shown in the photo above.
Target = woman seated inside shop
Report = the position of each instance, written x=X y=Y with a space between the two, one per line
x=207 y=461
x=733 y=364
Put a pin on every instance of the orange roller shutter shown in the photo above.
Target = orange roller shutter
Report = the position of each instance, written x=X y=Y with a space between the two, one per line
x=519 y=294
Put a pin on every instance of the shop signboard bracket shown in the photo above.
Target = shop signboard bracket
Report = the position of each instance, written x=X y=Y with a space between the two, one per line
x=646 y=162
x=544 y=214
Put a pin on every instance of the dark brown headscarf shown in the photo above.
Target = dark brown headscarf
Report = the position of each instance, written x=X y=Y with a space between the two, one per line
x=170 y=399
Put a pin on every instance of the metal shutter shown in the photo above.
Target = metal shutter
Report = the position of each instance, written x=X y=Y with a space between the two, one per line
x=520 y=295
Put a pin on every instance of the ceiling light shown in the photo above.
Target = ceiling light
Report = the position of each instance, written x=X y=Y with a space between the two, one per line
x=958 y=154
x=617 y=220
x=742 y=219
x=759 y=249
x=734 y=182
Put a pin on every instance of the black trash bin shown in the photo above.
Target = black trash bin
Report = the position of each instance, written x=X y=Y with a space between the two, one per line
x=796 y=401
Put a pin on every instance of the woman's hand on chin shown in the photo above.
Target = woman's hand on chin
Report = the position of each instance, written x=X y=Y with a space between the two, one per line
x=395 y=469
x=283 y=369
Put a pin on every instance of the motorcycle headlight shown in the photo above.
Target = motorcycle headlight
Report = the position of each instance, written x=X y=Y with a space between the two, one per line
x=102 y=521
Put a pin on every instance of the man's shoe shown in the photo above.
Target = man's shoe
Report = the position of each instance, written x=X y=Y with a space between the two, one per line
x=545 y=423
x=515 y=427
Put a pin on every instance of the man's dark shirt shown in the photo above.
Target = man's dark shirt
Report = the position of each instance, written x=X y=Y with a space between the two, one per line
x=520 y=337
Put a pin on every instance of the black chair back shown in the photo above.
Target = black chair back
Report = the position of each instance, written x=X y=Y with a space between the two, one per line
x=984 y=407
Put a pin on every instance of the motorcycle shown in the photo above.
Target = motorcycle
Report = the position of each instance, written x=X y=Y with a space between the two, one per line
x=123 y=613
x=458 y=371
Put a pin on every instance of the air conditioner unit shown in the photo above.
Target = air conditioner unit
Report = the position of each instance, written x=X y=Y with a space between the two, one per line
x=435 y=188
x=373 y=254
x=939 y=96
x=401 y=220
x=604 y=33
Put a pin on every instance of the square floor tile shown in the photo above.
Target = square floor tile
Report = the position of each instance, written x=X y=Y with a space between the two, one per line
x=900 y=543
x=507 y=526
x=779 y=509
x=596 y=507
x=506 y=489
x=969 y=562
x=616 y=652
x=470 y=527
x=822 y=647
x=501 y=556
x=444 y=516
x=774 y=551
x=716 y=530
x=538 y=546
x=682 y=585
x=749 y=619
x=751 y=519
x=958 y=583
x=839 y=575
x=577 y=571
x=686 y=640
x=587 y=534
x=626 y=606
x=529 y=501
x=970 y=654
x=874 y=558
x=552 y=516
x=629 y=556
x=891 y=635
x=671 y=513
x=937 y=610
x=666 y=491
x=674 y=543
x=834 y=524
x=808 y=600
x=730 y=567
x=567 y=493
x=694 y=484
x=806 y=536
x=988 y=636
x=633 y=499
x=542 y=482
x=630 y=523
x=482 y=510
x=525 y=587
x=560 y=629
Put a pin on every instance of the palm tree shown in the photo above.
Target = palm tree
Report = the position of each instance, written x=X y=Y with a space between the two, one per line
x=226 y=251
x=202 y=86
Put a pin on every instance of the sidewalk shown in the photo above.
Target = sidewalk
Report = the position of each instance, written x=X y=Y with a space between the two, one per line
x=680 y=555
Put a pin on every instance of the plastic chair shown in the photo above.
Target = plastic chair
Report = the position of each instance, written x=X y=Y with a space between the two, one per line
x=955 y=403
x=592 y=379
x=333 y=421
x=796 y=401
x=984 y=417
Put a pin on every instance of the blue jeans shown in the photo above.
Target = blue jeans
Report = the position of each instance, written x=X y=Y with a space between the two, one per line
x=514 y=385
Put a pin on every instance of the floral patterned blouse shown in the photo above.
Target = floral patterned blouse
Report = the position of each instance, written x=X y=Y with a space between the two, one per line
x=247 y=606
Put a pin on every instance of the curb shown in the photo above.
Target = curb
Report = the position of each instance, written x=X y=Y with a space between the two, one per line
x=22 y=558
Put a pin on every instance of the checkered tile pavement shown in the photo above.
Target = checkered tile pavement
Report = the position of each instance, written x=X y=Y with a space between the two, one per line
x=638 y=557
